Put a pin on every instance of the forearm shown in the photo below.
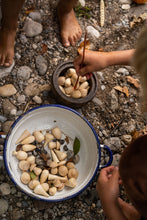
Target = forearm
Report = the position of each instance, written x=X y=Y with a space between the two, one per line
x=113 y=211
x=120 y=57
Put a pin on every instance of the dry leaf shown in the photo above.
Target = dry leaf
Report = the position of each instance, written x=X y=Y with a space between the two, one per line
x=135 y=134
x=81 y=46
x=44 y=48
x=29 y=10
x=133 y=81
x=122 y=89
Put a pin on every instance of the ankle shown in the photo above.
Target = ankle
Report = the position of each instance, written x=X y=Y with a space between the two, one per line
x=9 y=25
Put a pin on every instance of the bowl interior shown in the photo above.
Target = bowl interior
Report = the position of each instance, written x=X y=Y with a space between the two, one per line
x=71 y=124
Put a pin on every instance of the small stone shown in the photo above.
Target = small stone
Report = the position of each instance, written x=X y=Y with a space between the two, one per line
x=21 y=99
x=8 y=107
x=114 y=100
x=41 y=64
x=123 y=71
x=114 y=143
x=32 y=28
x=125 y=7
x=37 y=99
x=18 y=56
x=2 y=118
x=5 y=189
x=23 y=39
x=38 y=39
x=97 y=101
x=6 y=126
x=103 y=87
x=127 y=139
x=82 y=3
x=34 y=46
x=125 y=1
x=5 y=71
x=3 y=206
x=35 y=15
x=35 y=89
x=7 y=90
x=92 y=32
x=24 y=72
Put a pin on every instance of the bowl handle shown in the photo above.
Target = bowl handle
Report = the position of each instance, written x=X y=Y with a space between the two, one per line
x=110 y=156
x=2 y=136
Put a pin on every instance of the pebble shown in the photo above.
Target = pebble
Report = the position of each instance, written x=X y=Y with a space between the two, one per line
x=37 y=99
x=2 y=118
x=5 y=189
x=125 y=1
x=97 y=101
x=3 y=206
x=17 y=55
x=34 y=46
x=5 y=71
x=35 y=89
x=24 y=72
x=92 y=32
x=41 y=64
x=21 y=99
x=23 y=39
x=114 y=143
x=7 y=90
x=35 y=15
x=114 y=100
x=123 y=71
x=125 y=7
x=103 y=87
x=32 y=28
x=126 y=138
x=6 y=126
x=82 y=3
x=8 y=107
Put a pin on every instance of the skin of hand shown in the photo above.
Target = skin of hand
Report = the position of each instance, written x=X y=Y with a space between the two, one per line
x=96 y=61
x=129 y=210
x=93 y=61
x=108 y=192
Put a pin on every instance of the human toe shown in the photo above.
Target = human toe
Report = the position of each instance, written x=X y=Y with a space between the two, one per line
x=8 y=61
x=2 y=61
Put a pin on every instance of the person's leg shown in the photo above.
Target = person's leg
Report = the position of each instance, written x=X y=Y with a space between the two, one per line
x=10 y=12
x=70 y=29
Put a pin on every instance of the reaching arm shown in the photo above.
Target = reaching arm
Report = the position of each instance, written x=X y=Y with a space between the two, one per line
x=96 y=61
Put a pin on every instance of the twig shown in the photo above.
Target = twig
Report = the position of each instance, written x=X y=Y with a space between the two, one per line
x=82 y=63
x=25 y=109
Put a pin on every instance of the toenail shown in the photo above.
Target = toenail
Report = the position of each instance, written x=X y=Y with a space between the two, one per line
x=66 y=44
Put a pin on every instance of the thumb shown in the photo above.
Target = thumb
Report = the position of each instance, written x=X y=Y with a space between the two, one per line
x=115 y=175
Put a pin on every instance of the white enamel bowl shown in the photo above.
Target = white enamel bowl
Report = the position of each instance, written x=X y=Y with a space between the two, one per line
x=72 y=124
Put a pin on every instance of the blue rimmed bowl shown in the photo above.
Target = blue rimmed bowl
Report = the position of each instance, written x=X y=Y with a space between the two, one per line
x=72 y=124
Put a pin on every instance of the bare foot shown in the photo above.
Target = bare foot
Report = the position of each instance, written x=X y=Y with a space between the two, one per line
x=70 y=29
x=7 y=38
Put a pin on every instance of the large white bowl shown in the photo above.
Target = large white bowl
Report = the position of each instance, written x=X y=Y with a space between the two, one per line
x=72 y=124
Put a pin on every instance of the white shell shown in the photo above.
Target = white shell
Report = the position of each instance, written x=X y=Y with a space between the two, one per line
x=21 y=155
x=31 y=159
x=25 y=134
x=28 y=147
x=44 y=176
x=24 y=165
x=67 y=82
x=39 y=137
x=72 y=182
x=45 y=186
x=52 y=191
x=61 y=155
x=25 y=178
x=52 y=145
x=76 y=94
x=40 y=191
x=28 y=140
x=56 y=132
x=33 y=183
x=61 y=80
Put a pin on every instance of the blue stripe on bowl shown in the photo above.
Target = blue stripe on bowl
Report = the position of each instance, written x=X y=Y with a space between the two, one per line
x=69 y=109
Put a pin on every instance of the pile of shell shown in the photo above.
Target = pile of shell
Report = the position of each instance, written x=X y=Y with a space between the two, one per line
x=45 y=174
x=68 y=81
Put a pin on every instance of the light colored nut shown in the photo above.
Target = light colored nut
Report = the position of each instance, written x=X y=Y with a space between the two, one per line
x=73 y=173
x=62 y=89
x=70 y=165
x=69 y=89
x=54 y=170
x=61 y=80
x=67 y=82
x=25 y=178
x=76 y=94
x=63 y=171
x=24 y=165
x=84 y=85
x=52 y=190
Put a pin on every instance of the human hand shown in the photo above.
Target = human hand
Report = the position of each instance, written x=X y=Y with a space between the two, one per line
x=93 y=61
x=108 y=185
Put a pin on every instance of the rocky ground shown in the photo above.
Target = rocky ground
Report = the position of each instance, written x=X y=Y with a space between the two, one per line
x=114 y=115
